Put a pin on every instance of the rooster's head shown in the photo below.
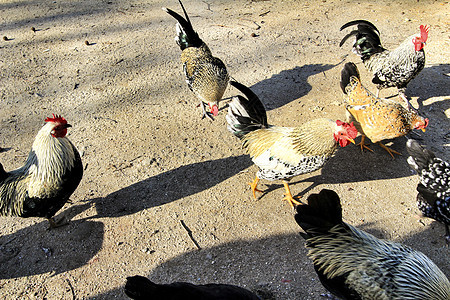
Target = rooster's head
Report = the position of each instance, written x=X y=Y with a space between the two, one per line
x=58 y=126
x=419 y=42
x=345 y=133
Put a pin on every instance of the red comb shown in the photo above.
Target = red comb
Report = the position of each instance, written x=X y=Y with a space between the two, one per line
x=424 y=32
x=56 y=119
x=351 y=130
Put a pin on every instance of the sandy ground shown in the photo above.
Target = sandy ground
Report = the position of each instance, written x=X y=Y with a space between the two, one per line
x=152 y=164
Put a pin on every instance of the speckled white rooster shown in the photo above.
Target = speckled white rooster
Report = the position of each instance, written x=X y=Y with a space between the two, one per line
x=390 y=68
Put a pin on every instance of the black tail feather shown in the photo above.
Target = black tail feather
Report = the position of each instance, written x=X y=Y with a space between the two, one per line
x=140 y=288
x=322 y=212
x=245 y=115
x=420 y=157
x=367 y=38
x=348 y=71
x=3 y=173
x=189 y=38
x=359 y=22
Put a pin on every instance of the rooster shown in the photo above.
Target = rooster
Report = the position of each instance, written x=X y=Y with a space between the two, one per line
x=434 y=187
x=394 y=68
x=283 y=152
x=376 y=118
x=353 y=264
x=141 y=288
x=206 y=75
x=50 y=175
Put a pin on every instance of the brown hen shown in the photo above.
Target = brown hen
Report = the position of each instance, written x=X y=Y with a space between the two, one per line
x=374 y=117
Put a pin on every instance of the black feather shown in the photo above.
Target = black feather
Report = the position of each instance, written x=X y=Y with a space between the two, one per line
x=3 y=174
x=191 y=38
x=245 y=114
x=253 y=105
x=141 y=288
x=322 y=212
x=421 y=156
x=348 y=71
x=367 y=38
x=433 y=196
x=359 y=22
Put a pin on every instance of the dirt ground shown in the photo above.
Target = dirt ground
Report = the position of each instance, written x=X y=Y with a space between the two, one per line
x=152 y=165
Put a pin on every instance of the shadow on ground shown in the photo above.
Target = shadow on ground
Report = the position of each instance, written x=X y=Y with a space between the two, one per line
x=281 y=260
x=288 y=85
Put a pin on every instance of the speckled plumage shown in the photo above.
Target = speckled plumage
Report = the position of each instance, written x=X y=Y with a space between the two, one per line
x=283 y=152
x=433 y=196
x=206 y=75
x=376 y=118
x=353 y=264
x=394 y=68
x=43 y=185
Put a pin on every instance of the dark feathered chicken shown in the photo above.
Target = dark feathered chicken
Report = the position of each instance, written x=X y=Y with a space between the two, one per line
x=376 y=118
x=50 y=175
x=353 y=264
x=434 y=187
x=284 y=152
x=394 y=68
x=141 y=288
x=206 y=75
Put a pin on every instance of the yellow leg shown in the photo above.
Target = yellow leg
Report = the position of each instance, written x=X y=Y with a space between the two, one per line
x=253 y=185
x=389 y=150
x=363 y=145
x=288 y=196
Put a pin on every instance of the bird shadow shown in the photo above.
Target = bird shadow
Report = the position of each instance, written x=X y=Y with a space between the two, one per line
x=34 y=250
x=167 y=187
x=73 y=246
x=437 y=84
x=288 y=85
x=277 y=265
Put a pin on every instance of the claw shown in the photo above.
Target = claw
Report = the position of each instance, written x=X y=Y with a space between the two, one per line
x=363 y=145
x=253 y=185
x=288 y=196
x=389 y=150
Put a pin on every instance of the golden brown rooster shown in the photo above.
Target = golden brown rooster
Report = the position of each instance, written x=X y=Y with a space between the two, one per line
x=394 y=68
x=376 y=118
x=283 y=152
x=353 y=264
x=206 y=75
x=50 y=175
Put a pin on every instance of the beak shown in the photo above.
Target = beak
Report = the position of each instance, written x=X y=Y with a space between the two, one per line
x=351 y=140
x=67 y=126
x=423 y=129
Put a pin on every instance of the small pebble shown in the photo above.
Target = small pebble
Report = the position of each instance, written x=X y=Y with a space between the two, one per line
x=33 y=29
x=86 y=43
x=5 y=38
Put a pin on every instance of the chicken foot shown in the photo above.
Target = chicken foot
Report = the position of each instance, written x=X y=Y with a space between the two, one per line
x=363 y=145
x=288 y=196
x=254 y=185
x=389 y=150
